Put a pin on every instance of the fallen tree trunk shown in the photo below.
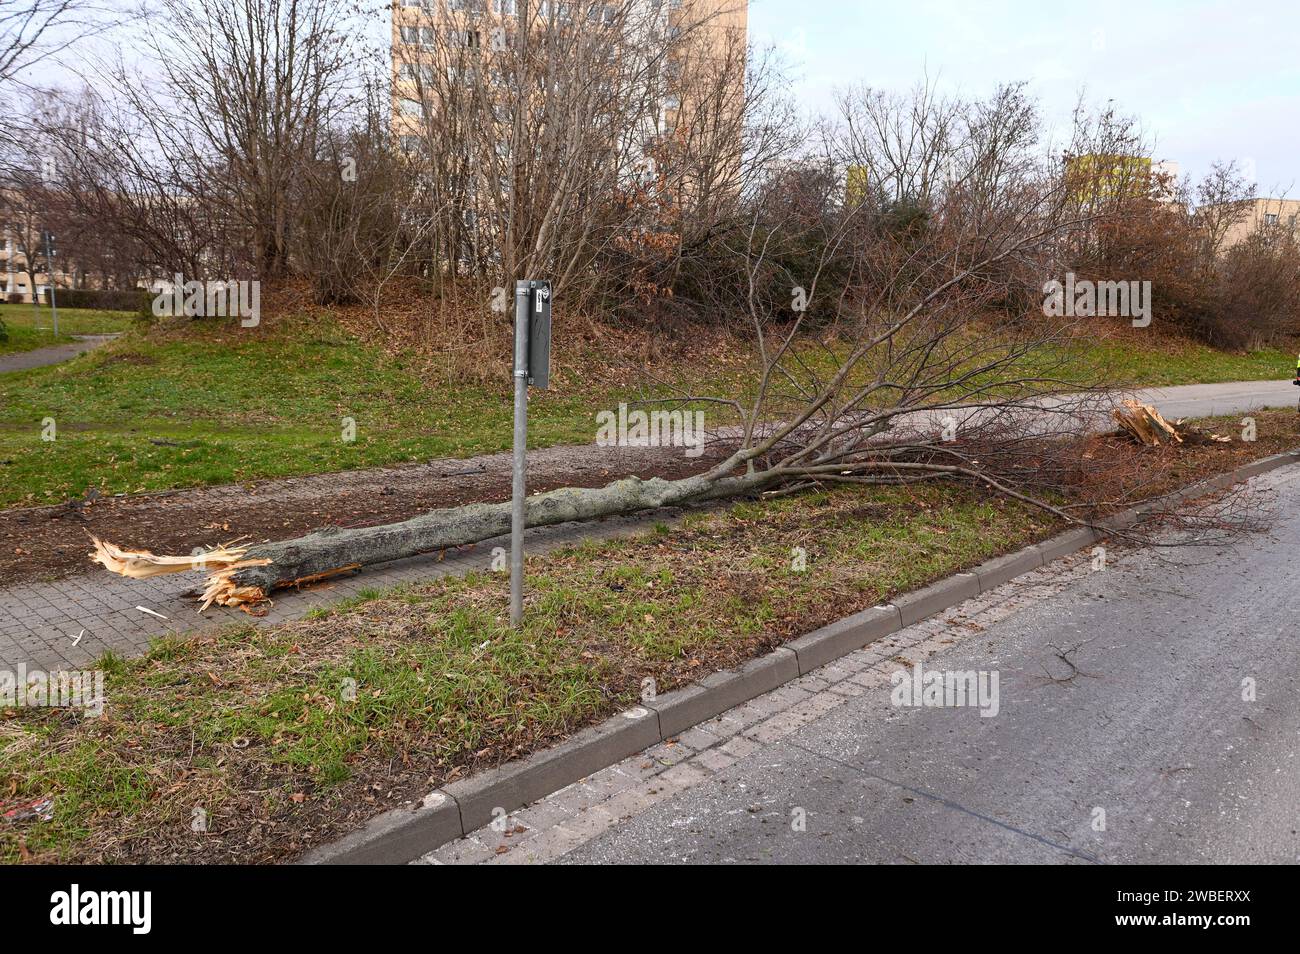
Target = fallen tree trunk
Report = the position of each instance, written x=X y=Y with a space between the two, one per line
x=246 y=577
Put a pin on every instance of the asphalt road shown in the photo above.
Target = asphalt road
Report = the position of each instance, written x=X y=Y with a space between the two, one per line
x=1093 y=412
x=1151 y=729
x=1073 y=413
x=1207 y=400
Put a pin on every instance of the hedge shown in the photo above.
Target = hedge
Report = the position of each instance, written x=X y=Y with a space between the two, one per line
x=133 y=299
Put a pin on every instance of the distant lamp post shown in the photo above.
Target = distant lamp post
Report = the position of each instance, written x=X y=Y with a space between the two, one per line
x=49 y=272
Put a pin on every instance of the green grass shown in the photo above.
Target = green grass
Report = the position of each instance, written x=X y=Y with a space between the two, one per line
x=149 y=414
x=1167 y=362
x=152 y=412
x=415 y=685
x=72 y=321
x=19 y=338
x=399 y=690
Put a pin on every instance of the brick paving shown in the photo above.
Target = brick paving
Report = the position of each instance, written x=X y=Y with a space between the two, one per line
x=40 y=622
x=548 y=829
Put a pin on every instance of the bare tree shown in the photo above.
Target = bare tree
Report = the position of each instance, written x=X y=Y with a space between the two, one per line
x=245 y=92
x=22 y=203
x=550 y=138
x=606 y=145
x=354 y=202
x=31 y=30
x=1223 y=200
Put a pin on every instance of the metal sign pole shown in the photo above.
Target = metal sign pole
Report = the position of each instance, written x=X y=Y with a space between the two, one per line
x=532 y=366
x=49 y=270
x=523 y=302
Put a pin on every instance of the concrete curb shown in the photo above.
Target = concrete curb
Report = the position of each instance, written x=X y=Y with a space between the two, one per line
x=1070 y=541
x=925 y=602
x=402 y=835
x=395 y=836
x=720 y=691
x=481 y=797
x=845 y=636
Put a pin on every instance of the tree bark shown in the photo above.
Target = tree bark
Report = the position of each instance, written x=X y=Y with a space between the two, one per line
x=329 y=551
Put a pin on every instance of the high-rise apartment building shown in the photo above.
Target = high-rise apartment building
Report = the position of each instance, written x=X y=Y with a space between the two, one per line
x=438 y=44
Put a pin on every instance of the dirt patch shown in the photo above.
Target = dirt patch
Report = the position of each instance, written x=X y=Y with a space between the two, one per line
x=1115 y=472
x=136 y=358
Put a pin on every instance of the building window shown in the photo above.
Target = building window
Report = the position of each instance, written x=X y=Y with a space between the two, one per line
x=411 y=73
x=412 y=107
x=1270 y=218
x=423 y=36
x=505 y=7
x=602 y=13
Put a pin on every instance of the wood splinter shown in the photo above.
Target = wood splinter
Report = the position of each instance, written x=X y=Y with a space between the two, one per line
x=221 y=563
x=1144 y=423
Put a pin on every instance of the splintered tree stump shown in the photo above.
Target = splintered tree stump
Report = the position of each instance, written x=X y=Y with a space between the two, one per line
x=1145 y=424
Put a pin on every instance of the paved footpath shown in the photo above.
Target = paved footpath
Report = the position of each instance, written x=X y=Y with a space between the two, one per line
x=1146 y=713
x=40 y=357
x=1232 y=397
x=41 y=622
x=70 y=623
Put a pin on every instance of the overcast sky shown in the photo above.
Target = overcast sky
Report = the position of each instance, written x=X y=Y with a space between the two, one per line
x=1209 y=80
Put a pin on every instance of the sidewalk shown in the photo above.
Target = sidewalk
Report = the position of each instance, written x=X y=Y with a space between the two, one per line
x=40 y=357
x=40 y=622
